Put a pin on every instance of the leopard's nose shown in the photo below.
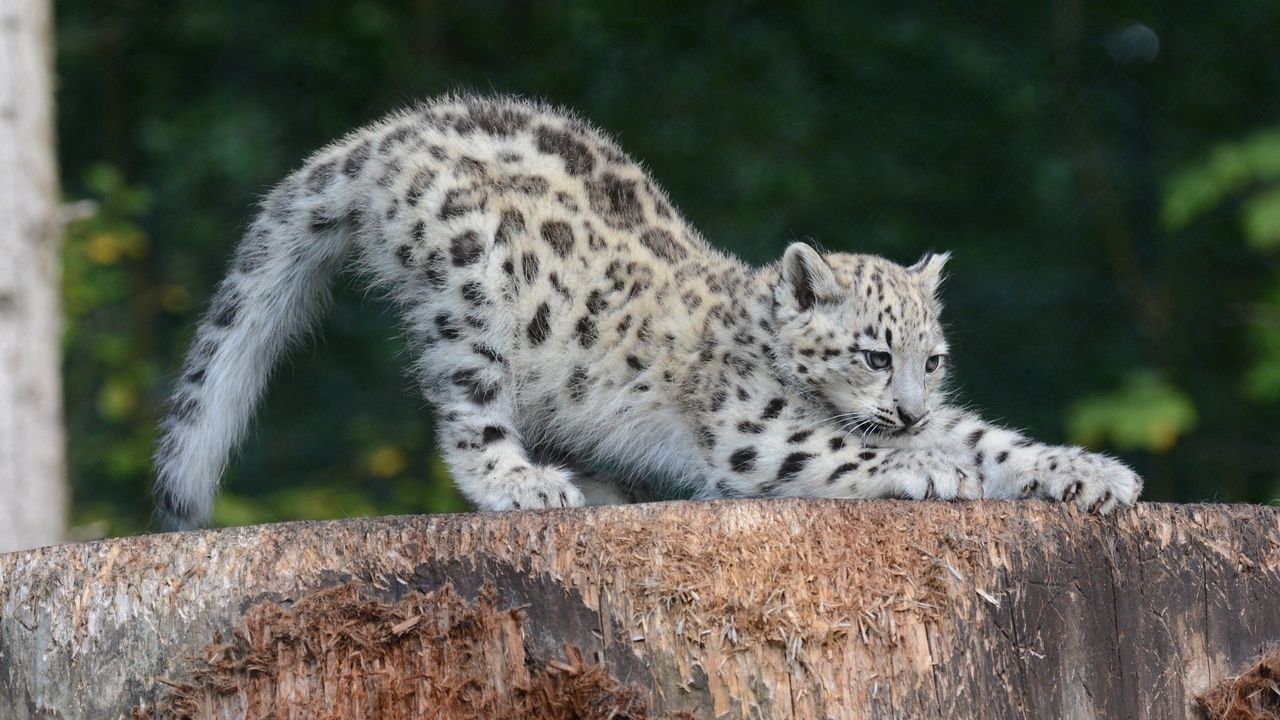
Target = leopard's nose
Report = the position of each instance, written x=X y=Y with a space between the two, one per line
x=908 y=418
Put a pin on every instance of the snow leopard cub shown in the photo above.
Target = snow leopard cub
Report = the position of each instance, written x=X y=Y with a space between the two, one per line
x=563 y=313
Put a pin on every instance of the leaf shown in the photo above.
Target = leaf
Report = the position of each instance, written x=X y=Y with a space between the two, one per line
x=117 y=400
x=387 y=461
x=104 y=249
x=1262 y=379
x=1260 y=216
x=1145 y=412
x=1230 y=169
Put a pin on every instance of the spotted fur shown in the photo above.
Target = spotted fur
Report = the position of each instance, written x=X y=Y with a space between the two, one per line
x=564 y=316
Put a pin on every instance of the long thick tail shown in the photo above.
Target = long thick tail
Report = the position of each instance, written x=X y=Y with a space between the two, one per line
x=276 y=289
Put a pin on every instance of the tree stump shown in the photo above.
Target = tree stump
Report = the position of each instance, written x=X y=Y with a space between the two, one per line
x=740 y=609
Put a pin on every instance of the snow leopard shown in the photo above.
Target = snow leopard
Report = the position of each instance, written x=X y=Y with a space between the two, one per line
x=563 y=316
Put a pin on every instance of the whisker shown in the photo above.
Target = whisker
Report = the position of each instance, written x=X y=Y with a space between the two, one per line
x=867 y=433
x=839 y=418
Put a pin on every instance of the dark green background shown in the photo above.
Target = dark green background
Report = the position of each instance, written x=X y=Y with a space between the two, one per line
x=1114 y=216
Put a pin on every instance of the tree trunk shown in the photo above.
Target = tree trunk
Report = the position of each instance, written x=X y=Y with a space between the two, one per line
x=32 y=469
x=741 y=609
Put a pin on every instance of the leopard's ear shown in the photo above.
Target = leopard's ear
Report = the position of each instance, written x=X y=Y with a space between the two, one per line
x=806 y=278
x=928 y=270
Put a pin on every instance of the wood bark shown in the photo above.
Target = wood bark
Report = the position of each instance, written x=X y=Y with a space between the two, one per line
x=740 y=609
x=32 y=471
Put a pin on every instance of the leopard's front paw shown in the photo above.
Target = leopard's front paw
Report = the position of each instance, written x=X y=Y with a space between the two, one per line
x=525 y=487
x=936 y=476
x=1094 y=482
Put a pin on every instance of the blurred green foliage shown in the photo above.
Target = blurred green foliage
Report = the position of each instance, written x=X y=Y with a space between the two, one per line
x=1242 y=178
x=1245 y=172
x=1114 y=211
x=1145 y=413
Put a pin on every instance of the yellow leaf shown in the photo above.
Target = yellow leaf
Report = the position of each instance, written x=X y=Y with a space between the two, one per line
x=103 y=249
x=387 y=461
x=117 y=400
x=1161 y=436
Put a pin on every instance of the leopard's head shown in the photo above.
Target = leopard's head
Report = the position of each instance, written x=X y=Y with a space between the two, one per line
x=862 y=336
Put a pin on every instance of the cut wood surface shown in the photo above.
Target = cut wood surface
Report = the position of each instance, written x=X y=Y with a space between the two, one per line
x=771 y=609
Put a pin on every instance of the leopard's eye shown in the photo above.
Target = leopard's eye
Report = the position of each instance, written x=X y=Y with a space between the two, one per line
x=877 y=360
x=933 y=363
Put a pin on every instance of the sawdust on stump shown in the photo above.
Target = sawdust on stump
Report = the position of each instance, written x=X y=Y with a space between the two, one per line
x=784 y=583
x=343 y=653
x=1251 y=695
